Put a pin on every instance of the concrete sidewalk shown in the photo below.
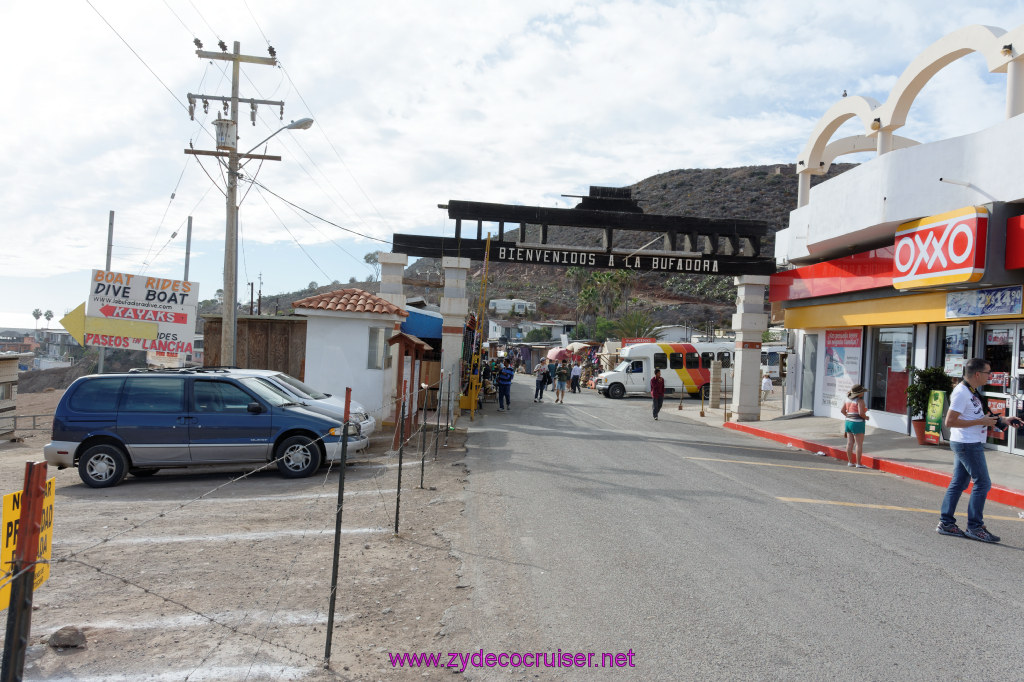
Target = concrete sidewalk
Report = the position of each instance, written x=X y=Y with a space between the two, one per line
x=895 y=453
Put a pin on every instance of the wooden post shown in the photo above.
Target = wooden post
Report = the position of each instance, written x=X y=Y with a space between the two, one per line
x=23 y=566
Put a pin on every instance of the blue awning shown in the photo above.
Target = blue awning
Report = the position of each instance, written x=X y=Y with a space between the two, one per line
x=425 y=324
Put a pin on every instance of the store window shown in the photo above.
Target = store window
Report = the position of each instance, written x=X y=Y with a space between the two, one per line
x=956 y=344
x=890 y=359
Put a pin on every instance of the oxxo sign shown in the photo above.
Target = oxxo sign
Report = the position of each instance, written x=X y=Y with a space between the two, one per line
x=943 y=249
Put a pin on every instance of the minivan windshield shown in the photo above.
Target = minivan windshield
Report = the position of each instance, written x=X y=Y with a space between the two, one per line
x=622 y=366
x=272 y=395
x=297 y=386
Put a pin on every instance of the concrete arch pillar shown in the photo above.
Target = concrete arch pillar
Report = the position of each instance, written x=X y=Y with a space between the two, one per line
x=750 y=322
x=454 y=306
x=1015 y=88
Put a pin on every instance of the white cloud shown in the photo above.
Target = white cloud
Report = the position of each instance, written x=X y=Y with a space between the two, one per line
x=417 y=103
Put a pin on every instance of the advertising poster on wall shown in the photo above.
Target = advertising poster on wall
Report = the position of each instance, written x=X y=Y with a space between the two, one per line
x=842 y=364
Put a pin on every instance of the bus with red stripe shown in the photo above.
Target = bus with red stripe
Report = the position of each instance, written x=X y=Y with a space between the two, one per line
x=684 y=367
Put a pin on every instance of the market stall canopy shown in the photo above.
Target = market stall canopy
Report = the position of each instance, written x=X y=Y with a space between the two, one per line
x=558 y=354
x=425 y=324
x=577 y=346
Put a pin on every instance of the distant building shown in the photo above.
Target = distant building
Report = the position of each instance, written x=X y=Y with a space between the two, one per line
x=55 y=343
x=8 y=393
x=14 y=341
x=507 y=306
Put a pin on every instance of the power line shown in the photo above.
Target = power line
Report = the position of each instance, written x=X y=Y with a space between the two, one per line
x=307 y=211
x=137 y=56
x=297 y=242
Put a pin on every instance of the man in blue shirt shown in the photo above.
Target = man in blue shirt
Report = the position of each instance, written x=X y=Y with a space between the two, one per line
x=505 y=386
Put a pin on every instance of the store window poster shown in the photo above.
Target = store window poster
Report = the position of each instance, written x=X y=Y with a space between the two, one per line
x=842 y=363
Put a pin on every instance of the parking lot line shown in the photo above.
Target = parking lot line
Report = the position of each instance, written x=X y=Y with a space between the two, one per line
x=891 y=507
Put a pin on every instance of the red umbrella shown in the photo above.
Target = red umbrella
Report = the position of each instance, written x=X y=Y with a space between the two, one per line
x=558 y=354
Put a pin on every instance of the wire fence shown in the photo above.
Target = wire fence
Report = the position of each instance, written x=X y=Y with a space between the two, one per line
x=262 y=608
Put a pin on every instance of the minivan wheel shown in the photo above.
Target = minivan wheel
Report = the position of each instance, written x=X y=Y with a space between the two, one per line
x=297 y=457
x=616 y=391
x=103 y=466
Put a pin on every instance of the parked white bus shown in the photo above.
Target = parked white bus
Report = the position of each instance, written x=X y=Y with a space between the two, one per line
x=773 y=361
x=684 y=367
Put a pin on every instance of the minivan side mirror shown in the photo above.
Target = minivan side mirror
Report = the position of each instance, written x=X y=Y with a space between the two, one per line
x=255 y=408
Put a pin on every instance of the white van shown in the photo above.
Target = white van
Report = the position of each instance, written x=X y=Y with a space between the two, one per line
x=684 y=367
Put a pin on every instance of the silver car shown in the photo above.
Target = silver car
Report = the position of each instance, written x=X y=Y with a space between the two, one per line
x=303 y=393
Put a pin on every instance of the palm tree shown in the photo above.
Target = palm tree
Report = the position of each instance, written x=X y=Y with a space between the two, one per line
x=579 y=277
x=49 y=316
x=586 y=305
x=637 y=324
x=37 y=313
x=625 y=281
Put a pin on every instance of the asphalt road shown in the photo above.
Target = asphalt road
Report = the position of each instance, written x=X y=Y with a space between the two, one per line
x=714 y=555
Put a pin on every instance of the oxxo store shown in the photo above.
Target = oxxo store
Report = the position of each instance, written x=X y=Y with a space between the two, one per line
x=949 y=288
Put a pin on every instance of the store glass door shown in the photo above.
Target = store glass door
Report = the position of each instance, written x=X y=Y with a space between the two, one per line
x=1004 y=349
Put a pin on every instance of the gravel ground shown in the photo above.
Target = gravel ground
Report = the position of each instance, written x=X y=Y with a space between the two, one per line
x=197 y=574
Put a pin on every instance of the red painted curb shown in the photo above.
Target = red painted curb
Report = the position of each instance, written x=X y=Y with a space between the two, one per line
x=1013 y=498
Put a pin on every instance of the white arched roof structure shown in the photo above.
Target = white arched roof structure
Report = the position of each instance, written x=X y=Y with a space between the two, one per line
x=881 y=119
x=867 y=203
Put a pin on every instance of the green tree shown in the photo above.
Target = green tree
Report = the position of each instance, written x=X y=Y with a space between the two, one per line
x=373 y=260
x=637 y=324
x=578 y=277
x=37 y=313
x=538 y=334
x=49 y=316
x=604 y=329
x=586 y=305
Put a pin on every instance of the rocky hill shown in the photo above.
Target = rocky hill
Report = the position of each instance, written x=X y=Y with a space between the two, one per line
x=756 y=192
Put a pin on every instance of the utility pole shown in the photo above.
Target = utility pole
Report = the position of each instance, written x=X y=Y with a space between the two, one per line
x=227 y=145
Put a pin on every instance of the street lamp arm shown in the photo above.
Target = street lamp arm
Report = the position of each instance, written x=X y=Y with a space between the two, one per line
x=301 y=124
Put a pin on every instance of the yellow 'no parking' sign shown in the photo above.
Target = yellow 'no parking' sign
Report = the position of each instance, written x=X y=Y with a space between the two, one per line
x=11 y=518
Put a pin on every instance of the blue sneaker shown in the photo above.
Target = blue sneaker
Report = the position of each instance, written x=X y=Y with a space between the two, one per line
x=949 y=529
x=981 y=534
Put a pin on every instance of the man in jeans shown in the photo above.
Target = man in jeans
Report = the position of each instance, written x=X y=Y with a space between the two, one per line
x=968 y=421
x=657 y=392
x=505 y=386
x=540 y=373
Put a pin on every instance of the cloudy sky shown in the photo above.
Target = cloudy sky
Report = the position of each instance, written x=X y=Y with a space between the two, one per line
x=416 y=102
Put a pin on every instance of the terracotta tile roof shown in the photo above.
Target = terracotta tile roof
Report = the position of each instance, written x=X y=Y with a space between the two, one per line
x=350 y=301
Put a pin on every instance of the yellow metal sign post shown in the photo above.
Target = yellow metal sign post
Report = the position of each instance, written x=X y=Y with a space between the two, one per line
x=476 y=368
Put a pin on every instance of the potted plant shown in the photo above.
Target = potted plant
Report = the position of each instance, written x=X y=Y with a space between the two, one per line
x=920 y=384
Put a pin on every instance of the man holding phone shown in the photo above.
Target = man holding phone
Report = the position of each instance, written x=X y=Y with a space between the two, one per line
x=968 y=420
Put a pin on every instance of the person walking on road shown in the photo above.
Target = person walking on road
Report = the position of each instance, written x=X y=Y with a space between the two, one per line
x=552 y=369
x=505 y=375
x=540 y=373
x=856 y=412
x=561 y=378
x=657 y=392
x=766 y=387
x=574 y=375
x=968 y=420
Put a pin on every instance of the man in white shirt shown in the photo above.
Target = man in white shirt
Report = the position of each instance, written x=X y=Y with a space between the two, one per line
x=766 y=387
x=968 y=422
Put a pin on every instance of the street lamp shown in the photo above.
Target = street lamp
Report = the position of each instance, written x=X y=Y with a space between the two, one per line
x=227 y=140
x=301 y=124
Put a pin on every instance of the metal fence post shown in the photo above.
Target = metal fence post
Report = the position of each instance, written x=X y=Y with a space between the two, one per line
x=401 y=448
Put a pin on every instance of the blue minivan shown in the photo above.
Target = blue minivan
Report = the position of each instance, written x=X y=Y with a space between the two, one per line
x=110 y=425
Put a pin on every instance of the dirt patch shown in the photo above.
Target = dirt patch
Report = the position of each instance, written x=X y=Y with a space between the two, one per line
x=168 y=580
